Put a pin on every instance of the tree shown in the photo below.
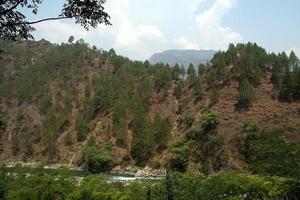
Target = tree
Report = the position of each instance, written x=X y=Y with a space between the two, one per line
x=212 y=76
x=81 y=126
x=14 y=24
x=2 y=123
x=297 y=86
x=209 y=121
x=287 y=86
x=277 y=70
x=120 y=124
x=198 y=89
x=293 y=60
x=246 y=94
x=112 y=53
x=161 y=130
x=176 y=72
x=201 y=69
x=68 y=139
x=191 y=73
x=170 y=186
x=183 y=72
x=179 y=155
x=178 y=90
x=143 y=139
x=214 y=95
x=71 y=39
x=96 y=158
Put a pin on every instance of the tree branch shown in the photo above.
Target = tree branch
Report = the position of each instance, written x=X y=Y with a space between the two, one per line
x=47 y=19
x=11 y=8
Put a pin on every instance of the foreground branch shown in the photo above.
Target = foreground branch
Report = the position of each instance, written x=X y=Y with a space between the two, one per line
x=47 y=19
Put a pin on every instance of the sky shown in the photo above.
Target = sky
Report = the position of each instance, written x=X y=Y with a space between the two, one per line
x=143 y=27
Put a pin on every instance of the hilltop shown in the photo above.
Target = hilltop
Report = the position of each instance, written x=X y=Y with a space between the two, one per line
x=76 y=105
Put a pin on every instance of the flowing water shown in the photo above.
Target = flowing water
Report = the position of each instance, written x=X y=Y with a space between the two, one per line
x=78 y=173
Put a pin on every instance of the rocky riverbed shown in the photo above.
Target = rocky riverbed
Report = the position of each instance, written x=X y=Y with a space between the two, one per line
x=139 y=172
x=118 y=172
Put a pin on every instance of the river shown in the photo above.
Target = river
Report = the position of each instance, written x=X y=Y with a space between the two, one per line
x=79 y=173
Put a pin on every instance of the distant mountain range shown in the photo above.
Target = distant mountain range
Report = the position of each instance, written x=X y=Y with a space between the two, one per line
x=182 y=57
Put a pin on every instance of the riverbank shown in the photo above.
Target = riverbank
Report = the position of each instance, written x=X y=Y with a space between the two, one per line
x=117 y=173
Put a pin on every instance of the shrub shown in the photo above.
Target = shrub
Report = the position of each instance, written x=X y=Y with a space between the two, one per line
x=68 y=139
x=187 y=121
x=96 y=158
x=251 y=127
x=209 y=121
x=179 y=155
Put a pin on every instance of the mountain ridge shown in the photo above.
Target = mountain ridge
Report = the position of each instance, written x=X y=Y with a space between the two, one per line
x=182 y=57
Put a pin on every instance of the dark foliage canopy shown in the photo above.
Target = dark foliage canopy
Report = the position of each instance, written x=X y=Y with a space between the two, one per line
x=15 y=25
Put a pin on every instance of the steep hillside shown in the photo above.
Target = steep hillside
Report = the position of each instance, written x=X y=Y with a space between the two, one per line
x=80 y=106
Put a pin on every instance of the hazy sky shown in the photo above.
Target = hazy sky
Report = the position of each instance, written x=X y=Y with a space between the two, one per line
x=143 y=27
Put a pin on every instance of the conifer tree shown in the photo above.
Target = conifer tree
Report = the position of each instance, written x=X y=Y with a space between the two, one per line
x=143 y=138
x=178 y=90
x=297 y=84
x=191 y=73
x=176 y=71
x=183 y=72
x=287 y=85
x=246 y=94
x=214 y=96
x=161 y=130
x=119 y=124
x=293 y=61
x=201 y=69
x=198 y=89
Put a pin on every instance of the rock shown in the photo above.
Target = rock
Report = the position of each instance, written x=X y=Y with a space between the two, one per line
x=136 y=172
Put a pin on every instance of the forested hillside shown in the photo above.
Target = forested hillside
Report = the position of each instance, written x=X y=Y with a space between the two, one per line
x=78 y=105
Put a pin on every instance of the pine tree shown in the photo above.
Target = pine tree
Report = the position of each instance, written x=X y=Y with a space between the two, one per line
x=183 y=72
x=176 y=71
x=277 y=71
x=170 y=185
x=198 y=89
x=148 y=194
x=191 y=73
x=293 y=61
x=214 y=96
x=287 y=86
x=297 y=84
x=231 y=55
x=143 y=138
x=119 y=124
x=246 y=94
x=212 y=76
x=2 y=123
x=201 y=69
x=178 y=90
x=161 y=130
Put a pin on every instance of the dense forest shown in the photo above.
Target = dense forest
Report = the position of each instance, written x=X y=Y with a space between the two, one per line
x=189 y=186
x=82 y=106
